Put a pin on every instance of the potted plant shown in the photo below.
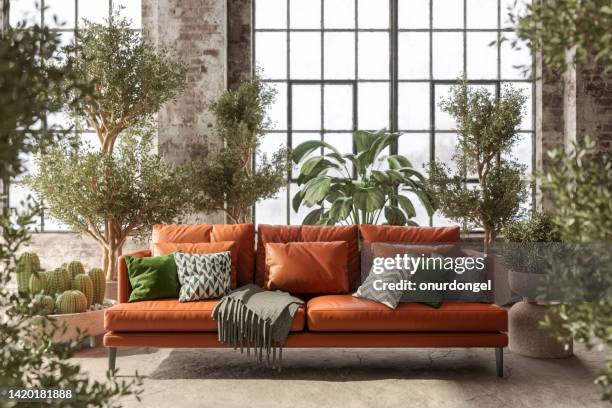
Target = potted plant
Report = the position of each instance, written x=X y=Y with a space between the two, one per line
x=131 y=81
x=228 y=181
x=328 y=185
x=487 y=129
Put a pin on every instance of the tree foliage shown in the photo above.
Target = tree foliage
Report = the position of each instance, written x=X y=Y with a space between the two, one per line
x=131 y=78
x=227 y=181
x=327 y=183
x=556 y=27
x=109 y=197
x=487 y=128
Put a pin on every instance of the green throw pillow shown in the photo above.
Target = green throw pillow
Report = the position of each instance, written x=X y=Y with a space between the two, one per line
x=152 y=277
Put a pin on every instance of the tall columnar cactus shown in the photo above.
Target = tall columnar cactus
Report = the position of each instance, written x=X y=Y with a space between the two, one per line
x=71 y=301
x=48 y=304
x=84 y=284
x=98 y=279
x=27 y=264
x=75 y=268
x=58 y=281
x=38 y=283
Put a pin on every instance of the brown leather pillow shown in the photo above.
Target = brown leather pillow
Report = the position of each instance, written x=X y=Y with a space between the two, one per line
x=165 y=248
x=307 y=267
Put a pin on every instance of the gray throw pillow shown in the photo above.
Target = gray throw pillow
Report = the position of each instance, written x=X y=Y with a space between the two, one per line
x=389 y=298
x=203 y=276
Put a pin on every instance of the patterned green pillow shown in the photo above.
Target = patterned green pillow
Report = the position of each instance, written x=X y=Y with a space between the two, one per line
x=389 y=298
x=203 y=276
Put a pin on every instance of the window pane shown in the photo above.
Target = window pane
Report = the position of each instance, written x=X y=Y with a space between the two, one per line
x=373 y=56
x=94 y=11
x=305 y=55
x=440 y=220
x=445 y=149
x=272 y=143
x=522 y=151
x=278 y=110
x=481 y=14
x=306 y=110
x=443 y=120
x=270 y=49
x=447 y=55
x=338 y=107
x=413 y=13
x=448 y=13
x=514 y=60
x=373 y=106
x=415 y=146
x=481 y=57
x=305 y=13
x=297 y=138
x=132 y=11
x=339 y=13
x=24 y=10
x=59 y=13
x=59 y=120
x=90 y=140
x=339 y=55
x=273 y=210
x=413 y=106
x=517 y=7
x=373 y=13
x=421 y=214
x=271 y=14
x=413 y=55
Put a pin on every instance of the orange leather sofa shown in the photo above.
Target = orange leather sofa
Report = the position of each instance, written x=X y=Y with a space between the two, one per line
x=336 y=320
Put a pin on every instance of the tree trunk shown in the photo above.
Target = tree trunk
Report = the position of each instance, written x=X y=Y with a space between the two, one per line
x=489 y=238
x=111 y=258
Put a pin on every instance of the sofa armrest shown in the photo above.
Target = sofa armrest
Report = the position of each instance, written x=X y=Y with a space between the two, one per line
x=123 y=281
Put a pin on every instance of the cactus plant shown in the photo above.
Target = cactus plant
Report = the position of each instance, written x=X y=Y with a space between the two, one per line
x=71 y=301
x=75 y=268
x=98 y=279
x=58 y=281
x=48 y=304
x=27 y=264
x=38 y=283
x=84 y=284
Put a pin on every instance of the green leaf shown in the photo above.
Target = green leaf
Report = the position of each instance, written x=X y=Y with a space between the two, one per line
x=381 y=141
x=316 y=190
x=297 y=200
x=406 y=205
x=317 y=163
x=381 y=177
x=304 y=149
x=312 y=217
x=394 y=215
x=369 y=199
x=427 y=201
x=398 y=161
x=341 y=208
x=363 y=140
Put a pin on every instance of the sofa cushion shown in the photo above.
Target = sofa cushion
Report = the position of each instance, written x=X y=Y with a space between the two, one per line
x=307 y=267
x=165 y=315
x=309 y=233
x=348 y=313
x=164 y=248
x=393 y=233
x=242 y=234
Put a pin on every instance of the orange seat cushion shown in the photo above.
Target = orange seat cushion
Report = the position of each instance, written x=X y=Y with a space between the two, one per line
x=307 y=267
x=169 y=315
x=348 y=313
x=165 y=248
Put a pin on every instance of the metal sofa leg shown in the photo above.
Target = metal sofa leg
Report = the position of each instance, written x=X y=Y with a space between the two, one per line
x=499 y=361
x=112 y=357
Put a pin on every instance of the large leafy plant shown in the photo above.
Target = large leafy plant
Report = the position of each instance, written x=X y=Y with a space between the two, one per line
x=384 y=184
x=126 y=192
x=487 y=129
x=227 y=181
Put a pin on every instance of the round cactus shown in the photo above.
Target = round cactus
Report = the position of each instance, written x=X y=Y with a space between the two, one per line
x=58 y=281
x=84 y=284
x=98 y=278
x=75 y=268
x=48 y=304
x=27 y=264
x=71 y=301
x=38 y=283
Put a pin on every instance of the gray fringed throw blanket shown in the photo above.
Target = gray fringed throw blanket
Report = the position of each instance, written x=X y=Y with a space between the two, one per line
x=251 y=317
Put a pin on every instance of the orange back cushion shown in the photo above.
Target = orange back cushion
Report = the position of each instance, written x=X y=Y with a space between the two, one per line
x=307 y=267
x=309 y=233
x=242 y=234
x=392 y=233
x=165 y=248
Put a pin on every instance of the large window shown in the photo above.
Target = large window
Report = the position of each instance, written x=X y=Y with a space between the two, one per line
x=64 y=17
x=342 y=65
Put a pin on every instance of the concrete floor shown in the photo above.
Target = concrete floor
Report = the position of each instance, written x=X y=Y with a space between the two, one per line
x=354 y=378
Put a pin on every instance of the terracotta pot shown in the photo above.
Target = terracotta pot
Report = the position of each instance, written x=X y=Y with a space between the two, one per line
x=89 y=323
